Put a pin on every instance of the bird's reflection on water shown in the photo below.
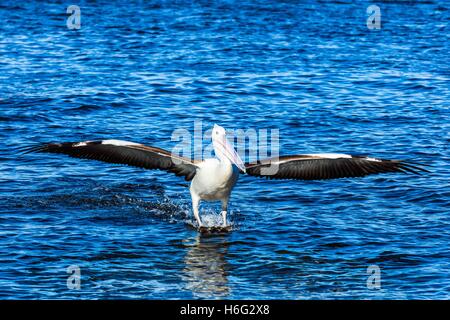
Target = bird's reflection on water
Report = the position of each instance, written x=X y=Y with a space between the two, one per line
x=205 y=270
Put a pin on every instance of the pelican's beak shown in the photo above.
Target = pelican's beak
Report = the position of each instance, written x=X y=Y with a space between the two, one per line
x=232 y=155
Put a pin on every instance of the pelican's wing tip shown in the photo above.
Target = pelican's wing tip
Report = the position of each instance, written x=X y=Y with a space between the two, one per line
x=31 y=148
x=414 y=167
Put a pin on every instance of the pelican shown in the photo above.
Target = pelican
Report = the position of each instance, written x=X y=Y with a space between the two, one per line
x=214 y=179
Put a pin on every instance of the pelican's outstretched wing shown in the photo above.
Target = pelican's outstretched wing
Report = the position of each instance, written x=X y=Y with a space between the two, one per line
x=123 y=152
x=327 y=166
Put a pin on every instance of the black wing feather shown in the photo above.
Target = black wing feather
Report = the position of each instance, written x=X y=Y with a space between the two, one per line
x=133 y=155
x=310 y=167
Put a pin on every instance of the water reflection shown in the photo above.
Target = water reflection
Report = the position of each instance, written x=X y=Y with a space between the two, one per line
x=205 y=271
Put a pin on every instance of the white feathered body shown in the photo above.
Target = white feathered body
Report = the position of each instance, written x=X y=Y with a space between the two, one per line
x=214 y=180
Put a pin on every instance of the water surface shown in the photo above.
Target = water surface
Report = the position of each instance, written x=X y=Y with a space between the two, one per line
x=138 y=70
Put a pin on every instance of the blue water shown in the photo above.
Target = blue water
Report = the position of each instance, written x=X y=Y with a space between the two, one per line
x=137 y=70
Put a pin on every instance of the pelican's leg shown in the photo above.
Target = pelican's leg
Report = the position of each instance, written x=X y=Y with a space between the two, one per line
x=224 y=211
x=195 y=205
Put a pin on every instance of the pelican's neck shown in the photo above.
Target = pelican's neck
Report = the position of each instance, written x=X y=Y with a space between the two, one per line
x=221 y=156
x=225 y=166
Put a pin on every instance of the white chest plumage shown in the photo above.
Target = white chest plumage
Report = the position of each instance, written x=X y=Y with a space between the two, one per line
x=214 y=180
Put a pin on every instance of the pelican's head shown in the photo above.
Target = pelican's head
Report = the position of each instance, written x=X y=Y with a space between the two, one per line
x=223 y=148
